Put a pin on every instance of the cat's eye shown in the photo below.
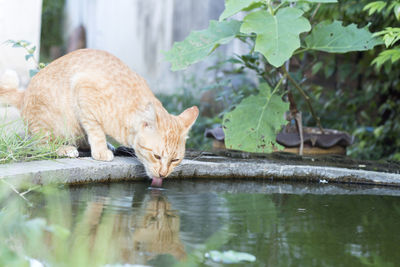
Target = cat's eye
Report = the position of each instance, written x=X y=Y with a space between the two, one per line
x=174 y=160
x=157 y=156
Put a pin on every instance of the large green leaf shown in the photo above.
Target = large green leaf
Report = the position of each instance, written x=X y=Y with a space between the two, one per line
x=234 y=6
x=278 y=35
x=336 y=38
x=252 y=126
x=199 y=44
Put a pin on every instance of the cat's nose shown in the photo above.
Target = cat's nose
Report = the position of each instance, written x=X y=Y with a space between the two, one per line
x=162 y=175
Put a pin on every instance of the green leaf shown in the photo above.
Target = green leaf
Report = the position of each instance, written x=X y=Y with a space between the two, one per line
x=28 y=56
x=234 y=6
x=335 y=38
x=316 y=67
x=199 y=44
x=375 y=6
x=396 y=11
x=17 y=44
x=277 y=35
x=390 y=35
x=33 y=72
x=253 y=124
x=389 y=55
x=388 y=39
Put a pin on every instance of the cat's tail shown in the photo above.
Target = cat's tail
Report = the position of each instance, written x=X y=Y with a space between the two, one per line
x=9 y=93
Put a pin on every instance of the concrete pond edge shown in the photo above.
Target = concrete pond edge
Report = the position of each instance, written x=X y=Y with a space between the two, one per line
x=87 y=170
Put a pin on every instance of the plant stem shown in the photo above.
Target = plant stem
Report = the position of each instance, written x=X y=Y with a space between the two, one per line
x=264 y=74
x=15 y=190
x=271 y=10
x=33 y=57
x=306 y=97
x=281 y=5
x=315 y=12
x=245 y=35
x=300 y=51
x=279 y=83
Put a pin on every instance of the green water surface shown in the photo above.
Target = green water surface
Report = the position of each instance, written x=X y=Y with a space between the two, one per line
x=280 y=224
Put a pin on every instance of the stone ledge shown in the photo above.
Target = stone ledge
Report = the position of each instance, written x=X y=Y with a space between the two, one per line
x=72 y=171
x=87 y=170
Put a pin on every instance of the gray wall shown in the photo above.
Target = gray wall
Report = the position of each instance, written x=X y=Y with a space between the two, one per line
x=137 y=31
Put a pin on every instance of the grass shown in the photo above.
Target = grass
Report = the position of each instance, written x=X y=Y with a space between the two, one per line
x=17 y=145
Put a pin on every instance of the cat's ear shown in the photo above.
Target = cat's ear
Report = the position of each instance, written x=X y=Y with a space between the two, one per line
x=149 y=117
x=188 y=117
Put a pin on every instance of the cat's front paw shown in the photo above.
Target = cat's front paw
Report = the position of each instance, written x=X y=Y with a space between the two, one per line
x=67 y=151
x=103 y=155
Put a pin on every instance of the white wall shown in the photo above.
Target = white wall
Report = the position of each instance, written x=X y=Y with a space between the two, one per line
x=137 y=31
x=19 y=20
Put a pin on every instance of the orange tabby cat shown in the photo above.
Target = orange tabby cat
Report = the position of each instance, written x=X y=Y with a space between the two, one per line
x=88 y=94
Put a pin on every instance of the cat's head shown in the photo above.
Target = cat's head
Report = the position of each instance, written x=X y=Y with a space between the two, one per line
x=160 y=141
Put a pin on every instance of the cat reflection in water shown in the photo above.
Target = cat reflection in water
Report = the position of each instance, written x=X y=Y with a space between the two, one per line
x=135 y=237
x=88 y=94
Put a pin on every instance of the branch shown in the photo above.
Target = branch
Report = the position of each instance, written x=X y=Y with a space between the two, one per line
x=315 y=12
x=269 y=5
x=306 y=97
x=16 y=191
x=279 y=83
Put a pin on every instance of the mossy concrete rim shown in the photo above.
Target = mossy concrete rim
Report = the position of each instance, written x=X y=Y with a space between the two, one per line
x=87 y=170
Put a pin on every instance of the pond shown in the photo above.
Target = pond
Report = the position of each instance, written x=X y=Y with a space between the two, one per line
x=280 y=224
